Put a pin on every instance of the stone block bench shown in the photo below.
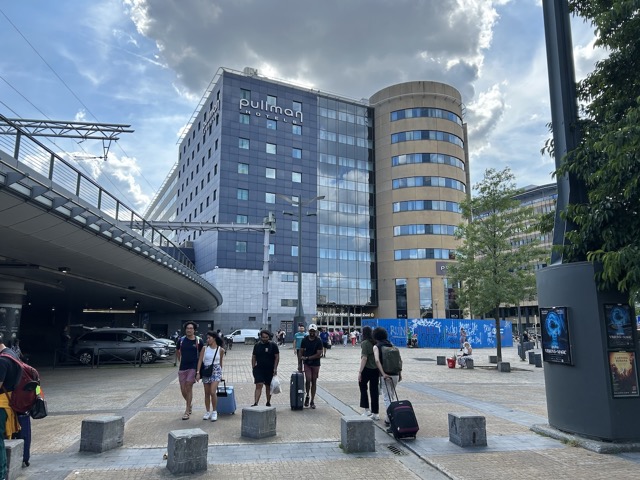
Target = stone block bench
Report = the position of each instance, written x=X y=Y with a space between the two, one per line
x=14 y=449
x=357 y=434
x=538 y=360
x=493 y=359
x=101 y=433
x=441 y=360
x=467 y=430
x=258 y=422
x=532 y=357
x=504 y=367
x=187 y=451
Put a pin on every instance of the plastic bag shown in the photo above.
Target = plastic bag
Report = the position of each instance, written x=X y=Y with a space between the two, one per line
x=275 y=385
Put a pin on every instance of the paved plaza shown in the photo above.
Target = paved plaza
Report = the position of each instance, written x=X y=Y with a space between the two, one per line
x=307 y=444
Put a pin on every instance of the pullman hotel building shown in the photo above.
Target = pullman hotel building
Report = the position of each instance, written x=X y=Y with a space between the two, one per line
x=380 y=183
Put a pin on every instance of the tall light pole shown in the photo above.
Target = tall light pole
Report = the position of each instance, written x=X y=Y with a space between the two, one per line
x=299 y=315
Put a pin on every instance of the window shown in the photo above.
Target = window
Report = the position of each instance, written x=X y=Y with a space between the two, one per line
x=244 y=118
x=271 y=148
x=243 y=169
x=242 y=219
x=215 y=194
x=242 y=194
x=296 y=129
x=294 y=225
x=426 y=298
x=241 y=247
x=296 y=153
x=272 y=249
x=270 y=197
x=296 y=177
x=401 y=297
x=216 y=144
x=297 y=106
x=245 y=94
x=215 y=169
x=294 y=250
x=272 y=124
x=272 y=100
x=243 y=143
x=270 y=173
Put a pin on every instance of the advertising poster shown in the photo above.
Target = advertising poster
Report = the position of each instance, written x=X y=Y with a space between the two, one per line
x=556 y=346
x=619 y=325
x=624 y=379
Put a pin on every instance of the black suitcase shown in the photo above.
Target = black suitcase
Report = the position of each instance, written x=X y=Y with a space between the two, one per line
x=296 y=391
x=402 y=418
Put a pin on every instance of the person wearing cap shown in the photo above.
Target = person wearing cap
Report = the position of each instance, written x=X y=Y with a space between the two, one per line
x=309 y=355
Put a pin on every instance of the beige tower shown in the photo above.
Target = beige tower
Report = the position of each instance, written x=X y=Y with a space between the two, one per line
x=421 y=178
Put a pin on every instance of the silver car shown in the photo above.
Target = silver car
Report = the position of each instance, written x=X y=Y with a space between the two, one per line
x=117 y=344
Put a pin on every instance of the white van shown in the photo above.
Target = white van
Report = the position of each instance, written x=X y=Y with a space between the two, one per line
x=239 y=336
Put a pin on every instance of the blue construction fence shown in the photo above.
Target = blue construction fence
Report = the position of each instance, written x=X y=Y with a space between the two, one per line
x=443 y=332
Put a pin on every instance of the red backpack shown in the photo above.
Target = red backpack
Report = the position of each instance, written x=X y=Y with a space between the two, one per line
x=24 y=395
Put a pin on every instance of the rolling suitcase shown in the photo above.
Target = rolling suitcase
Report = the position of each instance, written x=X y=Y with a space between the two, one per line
x=226 y=399
x=296 y=391
x=402 y=418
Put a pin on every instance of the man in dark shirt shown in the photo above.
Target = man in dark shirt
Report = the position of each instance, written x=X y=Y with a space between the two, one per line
x=187 y=352
x=264 y=362
x=309 y=354
x=9 y=371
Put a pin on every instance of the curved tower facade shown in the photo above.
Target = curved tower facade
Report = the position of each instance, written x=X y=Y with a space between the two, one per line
x=421 y=177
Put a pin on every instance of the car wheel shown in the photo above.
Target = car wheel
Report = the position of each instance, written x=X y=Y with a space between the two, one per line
x=85 y=357
x=147 y=357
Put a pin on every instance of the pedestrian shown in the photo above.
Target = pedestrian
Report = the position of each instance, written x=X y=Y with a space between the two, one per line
x=309 y=355
x=391 y=369
x=463 y=337
x=324 y=336
x=368 y=375
x=297 y=341
x=9 y=371
x=18 y=351
x=187 y=353
x=283 y=335
x=65 y=343
x=264 y=364
x=353 y=337
x=209 y=370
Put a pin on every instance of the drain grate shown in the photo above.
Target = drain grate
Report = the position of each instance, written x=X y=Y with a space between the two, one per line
x=396 y=450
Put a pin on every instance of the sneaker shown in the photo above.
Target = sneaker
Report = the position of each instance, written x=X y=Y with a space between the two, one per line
x=313 y=405
x=386 y=422
x=214 y=416
x=375 y=416
x=207 y=416
x=366 y=413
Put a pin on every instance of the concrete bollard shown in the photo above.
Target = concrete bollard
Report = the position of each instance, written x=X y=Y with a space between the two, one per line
x=469 y=363
x=441 y=360
x=187 y=451
x=532 y=357
x=258 y=422
x=538 y=360
x=14 y=450
x=467 y=430
x=504 y=367
x=493 y=359
x=99 y=434
x=357 y=434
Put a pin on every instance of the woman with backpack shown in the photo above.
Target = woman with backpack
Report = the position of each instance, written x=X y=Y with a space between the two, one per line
x=389 y=364
x=368 y=374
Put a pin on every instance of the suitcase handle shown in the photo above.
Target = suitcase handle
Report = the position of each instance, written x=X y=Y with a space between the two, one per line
x=386 y=383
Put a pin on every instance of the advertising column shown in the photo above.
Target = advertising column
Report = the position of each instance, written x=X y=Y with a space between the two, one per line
x=11 y=296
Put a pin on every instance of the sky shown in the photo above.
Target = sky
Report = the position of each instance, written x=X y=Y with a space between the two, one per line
x=147 y=63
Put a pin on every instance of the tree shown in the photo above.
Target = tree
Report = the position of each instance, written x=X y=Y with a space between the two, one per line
x=607 y=159
x=500 y=245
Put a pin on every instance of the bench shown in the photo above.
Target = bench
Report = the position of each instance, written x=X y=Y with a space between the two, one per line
x=357 y=434
x=187 y=451
x=441 y=360
x=538 y=360
x=504 y=367
x=101 y=433
x=467 y=430
x=258 y=422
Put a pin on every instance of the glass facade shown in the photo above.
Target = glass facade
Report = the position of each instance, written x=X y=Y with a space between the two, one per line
x=346 y=215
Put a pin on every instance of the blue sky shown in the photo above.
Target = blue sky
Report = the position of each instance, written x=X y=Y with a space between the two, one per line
x=148 y=62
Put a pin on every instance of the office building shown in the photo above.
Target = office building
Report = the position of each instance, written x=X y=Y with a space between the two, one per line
x=380 y=183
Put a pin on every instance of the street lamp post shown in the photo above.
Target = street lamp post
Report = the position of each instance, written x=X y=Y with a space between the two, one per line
x=299 y=315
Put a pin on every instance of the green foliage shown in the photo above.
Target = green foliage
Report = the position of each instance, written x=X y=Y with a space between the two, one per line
x=500 y=245
x=607 y=158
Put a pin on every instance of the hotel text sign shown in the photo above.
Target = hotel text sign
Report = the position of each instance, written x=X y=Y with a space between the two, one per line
x=273 y=111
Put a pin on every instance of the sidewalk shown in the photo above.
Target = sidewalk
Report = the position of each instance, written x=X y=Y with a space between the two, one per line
x=307 y=442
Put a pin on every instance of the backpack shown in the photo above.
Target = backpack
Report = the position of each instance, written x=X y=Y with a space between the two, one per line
x=390 y=359
x=24 y=395
x=199 y=343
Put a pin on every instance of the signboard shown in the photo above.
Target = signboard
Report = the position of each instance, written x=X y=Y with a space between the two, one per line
x=624 y=378
x=556 y=344
x=619 y=326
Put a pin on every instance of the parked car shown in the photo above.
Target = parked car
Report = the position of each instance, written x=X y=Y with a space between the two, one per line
x=239 y=336
x=113 y=344
x=142 y=334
